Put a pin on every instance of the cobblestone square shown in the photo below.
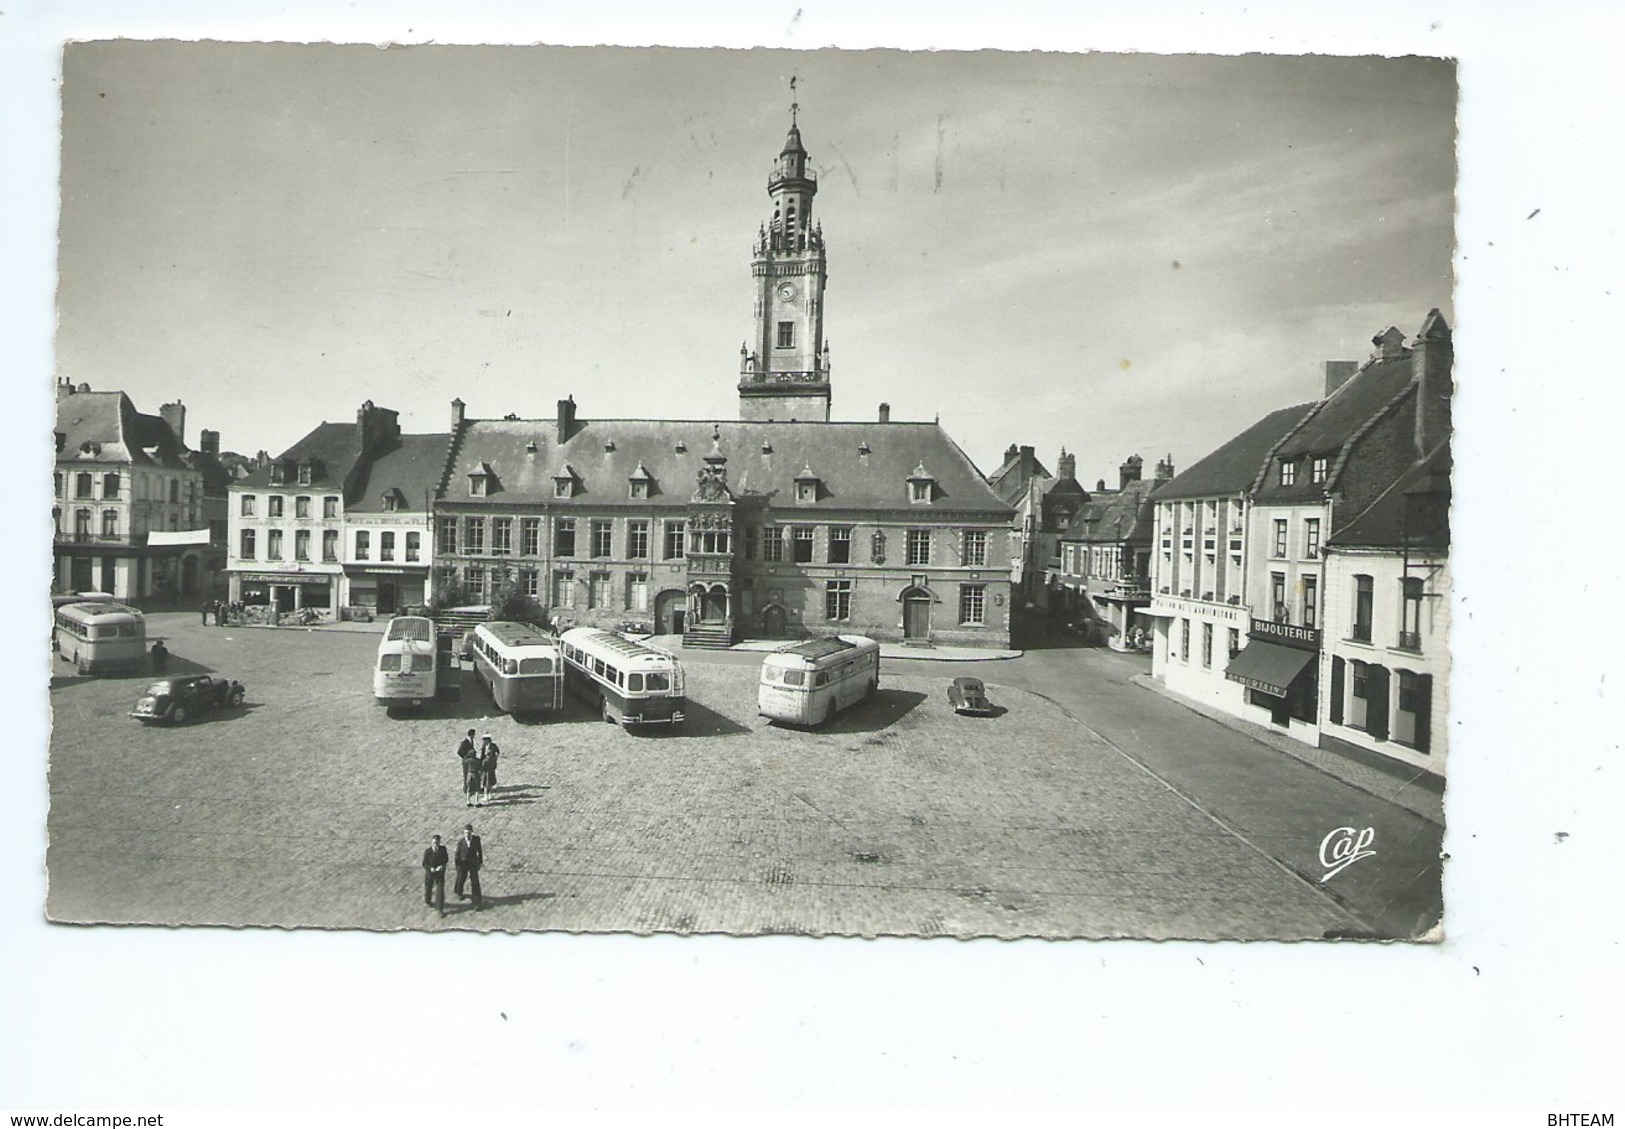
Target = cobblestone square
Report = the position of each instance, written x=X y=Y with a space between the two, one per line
x=311 y=807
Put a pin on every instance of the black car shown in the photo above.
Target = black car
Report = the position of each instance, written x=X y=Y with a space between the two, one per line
x=967 y=695
x=178 y=700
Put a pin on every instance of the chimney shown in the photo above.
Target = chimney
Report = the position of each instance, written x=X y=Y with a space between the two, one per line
x=1165 y=468
x=64 y=387
x=885 y=413
x=374 y=426
x=1011 y=452
x=1029 y=464
x=456 y=416
x=209 y=443
x=1432 y=357
x=1066 y=467
x=175 y=415
x=1129 y=471
x=567 y=418
x=1390 y=344
x=1100 y=486
x=1336 y=373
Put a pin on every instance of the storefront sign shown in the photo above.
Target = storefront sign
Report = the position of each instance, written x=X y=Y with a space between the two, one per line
x=1290 y=634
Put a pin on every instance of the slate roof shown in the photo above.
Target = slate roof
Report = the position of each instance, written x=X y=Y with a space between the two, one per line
x=1116 y=516
x=1008 y=482
x=330 y=446
x=1414 y=510
x=859 y=465
x=121 y=434
x=1233 y=467
x=412 y=464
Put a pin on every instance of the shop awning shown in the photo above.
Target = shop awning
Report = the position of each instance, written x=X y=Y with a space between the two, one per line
x=1160 y=613
x=1269 y=667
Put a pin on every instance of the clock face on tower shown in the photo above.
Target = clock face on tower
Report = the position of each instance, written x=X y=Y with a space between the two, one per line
x=787 y=292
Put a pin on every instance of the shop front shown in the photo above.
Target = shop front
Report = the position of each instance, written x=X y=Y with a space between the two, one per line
x=1280 y=669
x=385 y=591
x=285 y=592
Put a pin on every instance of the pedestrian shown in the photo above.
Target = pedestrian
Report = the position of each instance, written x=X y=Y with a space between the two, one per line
x=220 y=613
x=160 y=657
x=470 y=857
x=488 y=767
x=206 y=606
x=469 y=754
x=434 y=875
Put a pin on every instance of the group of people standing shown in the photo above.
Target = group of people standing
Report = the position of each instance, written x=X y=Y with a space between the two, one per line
x=469 y=857
x=222 y=611
x=479 y=761
x=479 y=768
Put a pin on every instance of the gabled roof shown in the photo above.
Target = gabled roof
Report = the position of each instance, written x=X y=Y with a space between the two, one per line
x=1115 y=516
x=1009 y=483
x=1414 y=511
x=412 y=465
x=606 y=455
x=115 y=432
x=331 y=447
x=1233 y=467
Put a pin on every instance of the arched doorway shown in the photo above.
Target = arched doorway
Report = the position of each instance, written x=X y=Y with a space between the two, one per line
x=916 y=614
x=670 y=607
x=714 y=604
x=773 y=622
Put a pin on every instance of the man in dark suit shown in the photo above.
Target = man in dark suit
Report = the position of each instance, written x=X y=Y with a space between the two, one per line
x=434 y=875
x=470 y=856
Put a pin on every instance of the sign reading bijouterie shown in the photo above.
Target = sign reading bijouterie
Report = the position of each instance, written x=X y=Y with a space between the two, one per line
x=1293 y=636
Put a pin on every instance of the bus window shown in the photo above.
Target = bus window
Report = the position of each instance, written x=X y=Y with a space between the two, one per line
x=822 y=679
x=655 y=680
x=598 y=667
x=634 y=683
x=510 y=666
x=535 y=666
x=389 y=664
x=422 y=664
x=613 y=675
x=794 y=678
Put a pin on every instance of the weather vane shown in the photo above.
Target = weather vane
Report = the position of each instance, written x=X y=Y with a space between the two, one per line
x=794 y=105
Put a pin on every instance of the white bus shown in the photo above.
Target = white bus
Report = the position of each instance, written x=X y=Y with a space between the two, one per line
x=627 y=682
x=809 y=683
x=100 y=637
x=408 y=656
x=520 y=665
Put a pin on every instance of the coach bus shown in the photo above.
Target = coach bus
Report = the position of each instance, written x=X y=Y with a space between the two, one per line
x=520 y=665
x=809 y=683
x=628 y=682
x=408 y=657
x=99 y=638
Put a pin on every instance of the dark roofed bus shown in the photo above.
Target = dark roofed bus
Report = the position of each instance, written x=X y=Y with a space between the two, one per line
x=627 y=682
x=809 y=683
x=520 y=665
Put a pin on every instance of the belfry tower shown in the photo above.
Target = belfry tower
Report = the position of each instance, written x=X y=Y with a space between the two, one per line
x=784 y=367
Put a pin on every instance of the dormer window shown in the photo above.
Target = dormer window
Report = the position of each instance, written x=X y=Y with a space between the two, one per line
x=482 y=481
x=1317 y=470
x=304 y=473
x=564 y=482
x=277 y=475
x=1289 y=472
x=392 y=500
x=680 y=447
x=921 y=486
x=807 y=485
x=640 y=483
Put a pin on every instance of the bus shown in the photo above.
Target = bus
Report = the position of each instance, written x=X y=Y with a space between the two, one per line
x=520 y=665
x=628 y=682
x=101 y=637
x=809 y=683
x=404 y=673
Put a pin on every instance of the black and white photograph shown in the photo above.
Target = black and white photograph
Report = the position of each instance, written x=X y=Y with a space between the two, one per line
x=853 y=492
x=809 y=558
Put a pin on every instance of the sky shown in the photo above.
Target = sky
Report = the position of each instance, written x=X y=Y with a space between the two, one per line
x=1113 y=253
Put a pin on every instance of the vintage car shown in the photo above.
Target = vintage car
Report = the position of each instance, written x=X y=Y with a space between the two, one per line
x=179 y=699
x=968 y=696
